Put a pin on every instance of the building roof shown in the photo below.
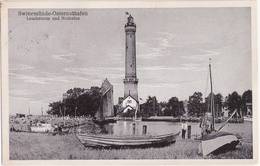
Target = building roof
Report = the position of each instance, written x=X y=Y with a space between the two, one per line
x=131 y=97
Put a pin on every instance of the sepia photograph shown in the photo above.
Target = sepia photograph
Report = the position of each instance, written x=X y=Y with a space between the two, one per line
x=128 y=83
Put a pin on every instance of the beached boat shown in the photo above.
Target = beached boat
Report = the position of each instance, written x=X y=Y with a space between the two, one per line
x=42 y=128
x=126 y=141
x=217 y=141
x=248 y=118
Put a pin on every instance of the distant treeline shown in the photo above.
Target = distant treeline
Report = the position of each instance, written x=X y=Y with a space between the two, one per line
x=79 y=102
x=196 y=106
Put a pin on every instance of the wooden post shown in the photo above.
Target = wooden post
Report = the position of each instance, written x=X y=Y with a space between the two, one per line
x=144 y=129
x=110 y=129
x=133 y=128
x=189 y=131
x=241 y=115
x=29 y=128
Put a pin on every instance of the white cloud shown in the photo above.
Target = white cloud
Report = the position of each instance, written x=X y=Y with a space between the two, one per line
x=165 y=39
x=64 y=57
x=39 y=79
x=157 y=68
x=98 y=72
x=168 y=84
x=192 y=67
x=93 y=69
x=159 y=46
x=20 y=67
x=205 y=55
x=19 y=92
x=184 y=66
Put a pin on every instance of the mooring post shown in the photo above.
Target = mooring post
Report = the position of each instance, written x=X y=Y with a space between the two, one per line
x=189 y=131
x=133 y=128
x=110 y=129
x=144 y=129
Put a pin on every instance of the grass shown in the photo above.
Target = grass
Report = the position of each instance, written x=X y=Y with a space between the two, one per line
x=35 y=146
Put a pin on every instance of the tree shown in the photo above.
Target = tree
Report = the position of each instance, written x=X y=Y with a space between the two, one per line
x=70 y=100
x=56 y=108
x=173 y=107
x=162 y=108
x=218 y=103
x=181 y=108
x=246 y=98
x=195 y=105
x=74 y=93
x=89 y=102
x=77 y=102
x=150 y=107
x=233 y=102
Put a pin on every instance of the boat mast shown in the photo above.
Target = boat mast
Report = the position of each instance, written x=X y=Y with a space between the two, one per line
x=211 y=99
x=42 y=110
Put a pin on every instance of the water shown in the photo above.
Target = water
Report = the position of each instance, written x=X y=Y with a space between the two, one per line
x=130 y=128
x=153 y=128
x=125 y=128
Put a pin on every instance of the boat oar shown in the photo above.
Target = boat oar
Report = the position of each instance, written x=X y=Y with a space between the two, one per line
x=221 y=127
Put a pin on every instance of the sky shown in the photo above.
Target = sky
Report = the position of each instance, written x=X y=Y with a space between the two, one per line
x=46 y=58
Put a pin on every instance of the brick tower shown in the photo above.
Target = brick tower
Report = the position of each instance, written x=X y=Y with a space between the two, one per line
x=130 y=81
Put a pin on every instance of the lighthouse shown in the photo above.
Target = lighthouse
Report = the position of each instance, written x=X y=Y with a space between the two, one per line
x=130 y=80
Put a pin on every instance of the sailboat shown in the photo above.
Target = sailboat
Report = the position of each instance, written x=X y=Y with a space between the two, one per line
x=217 y=141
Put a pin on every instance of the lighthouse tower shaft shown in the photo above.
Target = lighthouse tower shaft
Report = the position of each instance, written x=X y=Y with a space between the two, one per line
x=130 y=81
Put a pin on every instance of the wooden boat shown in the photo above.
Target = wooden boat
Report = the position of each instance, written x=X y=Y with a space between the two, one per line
x=217 y=141
x=126 y=141
x=248 y=118
x=41 y=128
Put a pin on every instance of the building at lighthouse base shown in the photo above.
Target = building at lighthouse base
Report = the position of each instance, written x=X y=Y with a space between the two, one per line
x=128 y=107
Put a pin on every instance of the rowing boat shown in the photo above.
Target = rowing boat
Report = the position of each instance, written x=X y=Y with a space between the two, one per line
x=126 y=141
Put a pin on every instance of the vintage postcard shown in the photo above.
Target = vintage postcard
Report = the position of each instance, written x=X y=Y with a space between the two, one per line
x=129 y=82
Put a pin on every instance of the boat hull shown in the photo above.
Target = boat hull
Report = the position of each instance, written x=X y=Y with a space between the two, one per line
x=42 y=128
x=218 y=142
x=249 y=119
x=126 y=142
